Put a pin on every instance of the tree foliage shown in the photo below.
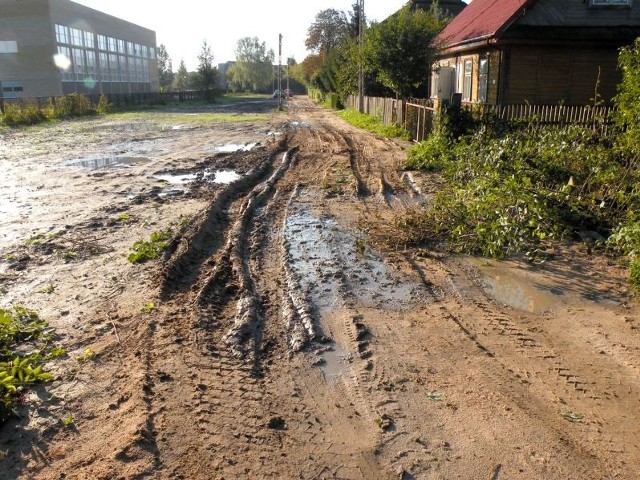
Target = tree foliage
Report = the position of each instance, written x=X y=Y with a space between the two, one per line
x=401 y=49
x=253 y=70
x=207 y=72
x=182 y=77
x=165 y=69
x=628 y=111
x=327 y=32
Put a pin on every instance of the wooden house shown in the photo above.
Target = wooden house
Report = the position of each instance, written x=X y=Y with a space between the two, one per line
x=541 y=52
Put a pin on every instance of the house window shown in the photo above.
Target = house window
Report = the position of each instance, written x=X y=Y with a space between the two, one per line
x=483 y=77
x=76 y=37
x=8 y=46
x=466 y=80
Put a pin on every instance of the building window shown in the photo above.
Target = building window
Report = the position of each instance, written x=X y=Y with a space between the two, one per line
x=88 y=40
x=466 y=80
x=483 y=80
x=62 y=34
x=121 y=44
x=8 y=46
x=102 y=42
x=76 y=37
x=11 y=90
x=112 y=44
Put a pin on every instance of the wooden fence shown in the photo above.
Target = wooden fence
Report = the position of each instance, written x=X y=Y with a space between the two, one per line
x=416 y=115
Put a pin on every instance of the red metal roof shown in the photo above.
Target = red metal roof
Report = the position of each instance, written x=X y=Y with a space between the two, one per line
x=481 y=19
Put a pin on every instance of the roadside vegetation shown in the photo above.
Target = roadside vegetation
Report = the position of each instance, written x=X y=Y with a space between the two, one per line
x=27 y=343
x=373 y=124
x=510 y=188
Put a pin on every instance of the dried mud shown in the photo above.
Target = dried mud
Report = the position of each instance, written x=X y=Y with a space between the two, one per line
x=283 y=341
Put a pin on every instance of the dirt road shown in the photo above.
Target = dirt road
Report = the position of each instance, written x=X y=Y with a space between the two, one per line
x=278 y=337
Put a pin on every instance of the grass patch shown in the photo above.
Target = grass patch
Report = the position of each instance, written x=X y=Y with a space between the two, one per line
x=145 y=250
x=372 y=124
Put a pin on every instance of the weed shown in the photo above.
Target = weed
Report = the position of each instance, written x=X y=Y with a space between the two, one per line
x=124 y=217
x=68 y=421
x=11 y=257
x=88 y=354
x=371 y=124
x=148 y=307
x=22 y=330
x=69 y=255
x=145 y=250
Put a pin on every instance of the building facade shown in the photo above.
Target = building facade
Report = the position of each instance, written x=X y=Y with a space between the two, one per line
x=538 y=52
x=55 y=47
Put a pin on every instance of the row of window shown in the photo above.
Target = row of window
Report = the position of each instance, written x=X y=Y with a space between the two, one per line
x=81 y=38
x=108 y=67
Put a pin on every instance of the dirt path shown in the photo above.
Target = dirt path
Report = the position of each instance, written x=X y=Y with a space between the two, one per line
x=283 y=341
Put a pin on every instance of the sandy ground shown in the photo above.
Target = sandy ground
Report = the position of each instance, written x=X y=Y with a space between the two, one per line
x=284 y=341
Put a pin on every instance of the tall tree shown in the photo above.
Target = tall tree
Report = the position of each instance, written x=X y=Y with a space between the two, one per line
x=165 y=69
x=182 y=77
x=253 y=70
x=401 y=49
x=207 y=72
x=327 y=32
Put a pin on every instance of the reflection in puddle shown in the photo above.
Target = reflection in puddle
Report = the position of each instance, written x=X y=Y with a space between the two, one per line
x=334 y=265
x=178 y=179
x=516 y=291
x=231 y=147
x=107 y=162
x=219 y=176
x=225 y=176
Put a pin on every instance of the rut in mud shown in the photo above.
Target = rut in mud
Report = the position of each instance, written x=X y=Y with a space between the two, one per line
x=286 y=342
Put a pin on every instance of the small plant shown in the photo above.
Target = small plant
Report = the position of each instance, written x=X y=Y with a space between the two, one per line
x=22 y=330
x=148 y=307
x=104 y=107
x=88 y=354
x=124 y=217
x=68 y=421
x=11 y=257
x=69 y=255
x=145 y=250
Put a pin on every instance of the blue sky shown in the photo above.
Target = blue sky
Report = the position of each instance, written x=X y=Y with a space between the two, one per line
x=183 y=26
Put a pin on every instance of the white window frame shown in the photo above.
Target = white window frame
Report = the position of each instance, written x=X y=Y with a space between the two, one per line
x=467 y=80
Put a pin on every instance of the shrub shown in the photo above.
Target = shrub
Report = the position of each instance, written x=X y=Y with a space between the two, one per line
x=23 y=112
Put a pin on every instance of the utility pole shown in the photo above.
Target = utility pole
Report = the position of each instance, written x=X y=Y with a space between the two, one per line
x=280 y=71
x=361 y=21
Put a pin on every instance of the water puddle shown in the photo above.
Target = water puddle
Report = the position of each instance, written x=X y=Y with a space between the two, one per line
x=107 y=162
x=232 y=147
x=177 y=179
x=222 y=177
x=336 y=363
x=225 y=177
x=508 y=287
x=334 y=265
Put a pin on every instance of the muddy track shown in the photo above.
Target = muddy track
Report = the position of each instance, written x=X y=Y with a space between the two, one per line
x=286 y=341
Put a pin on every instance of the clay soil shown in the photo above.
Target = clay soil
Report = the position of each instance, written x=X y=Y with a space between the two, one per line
x=288 y=332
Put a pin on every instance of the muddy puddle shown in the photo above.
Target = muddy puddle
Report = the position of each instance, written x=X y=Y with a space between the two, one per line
x=108 y=162
x=222 y=177
x=336 y=267
x=531 y=291
x=232 y=147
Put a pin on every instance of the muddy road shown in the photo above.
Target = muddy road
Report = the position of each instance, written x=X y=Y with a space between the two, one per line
x=279 y=337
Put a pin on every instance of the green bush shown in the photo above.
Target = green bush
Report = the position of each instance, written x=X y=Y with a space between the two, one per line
x=104 y=107
x=508 y=191
x=23 y=112
x=69 y=106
